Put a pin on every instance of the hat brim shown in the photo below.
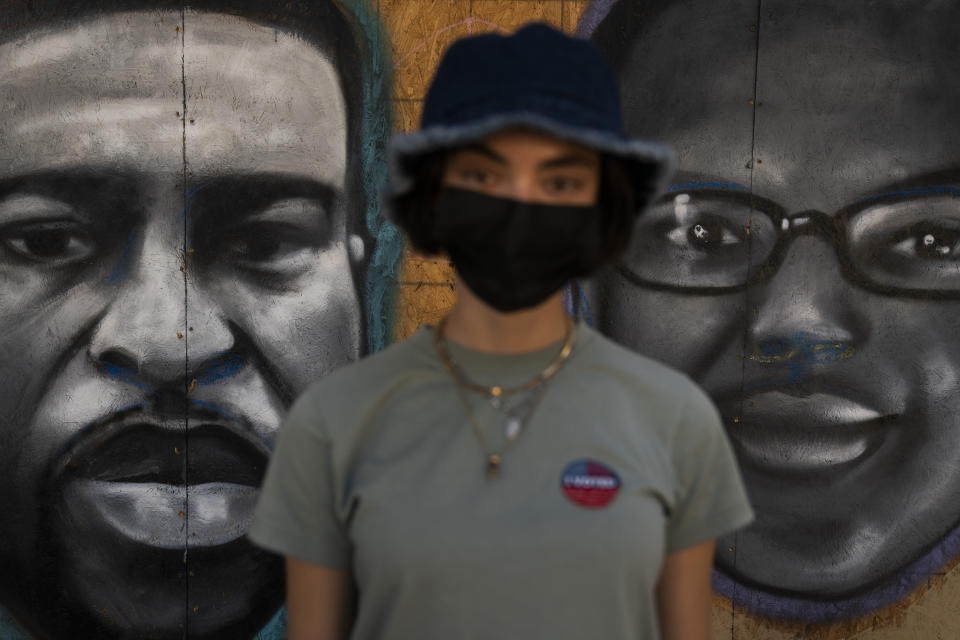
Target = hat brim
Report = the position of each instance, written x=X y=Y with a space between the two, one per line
x=649 y=164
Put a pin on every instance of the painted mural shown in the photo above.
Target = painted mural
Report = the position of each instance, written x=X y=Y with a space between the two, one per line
x=186 y=233
x=803 y=268
x=190 y=232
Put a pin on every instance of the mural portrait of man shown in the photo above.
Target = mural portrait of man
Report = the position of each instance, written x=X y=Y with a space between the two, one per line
x=185 y=237
x=804 y=268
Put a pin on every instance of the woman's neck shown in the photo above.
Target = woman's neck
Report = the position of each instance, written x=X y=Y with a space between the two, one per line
x=474 y=324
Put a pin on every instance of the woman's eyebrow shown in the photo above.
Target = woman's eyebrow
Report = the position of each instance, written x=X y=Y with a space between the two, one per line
x=484 y=150
x=573 y=159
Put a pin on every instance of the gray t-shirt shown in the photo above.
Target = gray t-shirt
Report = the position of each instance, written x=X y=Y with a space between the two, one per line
x=377 y=470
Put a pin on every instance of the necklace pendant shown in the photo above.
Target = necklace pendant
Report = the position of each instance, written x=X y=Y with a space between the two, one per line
x=512 y=428
x=493 y=466
x=496 y=402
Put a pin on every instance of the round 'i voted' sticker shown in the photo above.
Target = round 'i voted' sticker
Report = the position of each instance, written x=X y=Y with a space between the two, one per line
x=589 y=483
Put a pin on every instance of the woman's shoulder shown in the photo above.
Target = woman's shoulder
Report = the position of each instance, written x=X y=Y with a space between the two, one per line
x=676 y=409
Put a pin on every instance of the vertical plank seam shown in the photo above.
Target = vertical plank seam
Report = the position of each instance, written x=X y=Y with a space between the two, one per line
x=746 y=291
x=186 y=332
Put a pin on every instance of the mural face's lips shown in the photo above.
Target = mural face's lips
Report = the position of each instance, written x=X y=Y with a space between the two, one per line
x=146 y=447
x=167 y=516
x=782 y=432
x=159 y=484
x=209 y=452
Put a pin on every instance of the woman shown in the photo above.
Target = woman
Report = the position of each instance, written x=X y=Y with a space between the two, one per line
x=507 y=474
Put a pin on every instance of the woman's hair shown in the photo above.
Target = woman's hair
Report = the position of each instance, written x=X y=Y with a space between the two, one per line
x=414 y=210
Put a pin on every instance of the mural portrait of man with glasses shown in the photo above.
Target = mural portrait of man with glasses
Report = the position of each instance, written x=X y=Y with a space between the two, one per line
x=804 y=267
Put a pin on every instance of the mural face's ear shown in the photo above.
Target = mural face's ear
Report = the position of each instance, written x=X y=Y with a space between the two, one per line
x=357 y=248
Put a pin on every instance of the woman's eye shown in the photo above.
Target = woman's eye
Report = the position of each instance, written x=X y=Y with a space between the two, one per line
x=929 y=241
x=57 y=243
x=478 y=177
x=563 y=184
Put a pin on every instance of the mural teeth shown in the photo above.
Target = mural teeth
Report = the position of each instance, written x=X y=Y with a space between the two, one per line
x=788 y=433
x=163 y=515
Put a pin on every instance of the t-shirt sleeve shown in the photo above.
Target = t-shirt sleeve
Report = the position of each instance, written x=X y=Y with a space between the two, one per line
x=711 y=499
x=298 y=511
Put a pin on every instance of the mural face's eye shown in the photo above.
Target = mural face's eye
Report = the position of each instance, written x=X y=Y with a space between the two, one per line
x=52 y=243
x=707 y=232
x=909 y=244
x=263 y=248
x=692 y=240
x=43 y=231
x=269 y=247
x=700 y=226
x=931 y=240
x=283 y=240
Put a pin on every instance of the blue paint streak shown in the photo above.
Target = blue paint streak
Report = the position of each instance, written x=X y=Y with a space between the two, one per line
x=688 y=186
x=219 y=411
x=585 y=311
x=70 y=442
x=189 y=196
x=222 y=368
x=224 y=413
x=276 y=629
x=913 y=192
x=125 y=375
x=801 y=354
x=120 y=271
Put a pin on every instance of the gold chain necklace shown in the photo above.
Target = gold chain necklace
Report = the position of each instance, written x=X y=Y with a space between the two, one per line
x=494 y=391
x=495 y=458
x=514 y=424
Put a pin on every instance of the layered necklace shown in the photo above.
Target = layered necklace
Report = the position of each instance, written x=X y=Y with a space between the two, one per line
x=516 y=417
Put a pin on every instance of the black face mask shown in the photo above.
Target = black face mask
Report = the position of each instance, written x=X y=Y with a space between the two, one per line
x=514 y=255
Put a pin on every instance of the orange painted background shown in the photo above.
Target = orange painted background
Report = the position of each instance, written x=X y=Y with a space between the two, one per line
x=419 y=32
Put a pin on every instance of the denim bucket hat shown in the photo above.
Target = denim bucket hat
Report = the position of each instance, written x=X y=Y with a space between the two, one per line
x=537 y=78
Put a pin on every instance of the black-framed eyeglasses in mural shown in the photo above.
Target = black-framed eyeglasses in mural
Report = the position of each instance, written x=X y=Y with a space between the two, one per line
x=904 y=242
x=804 y=271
